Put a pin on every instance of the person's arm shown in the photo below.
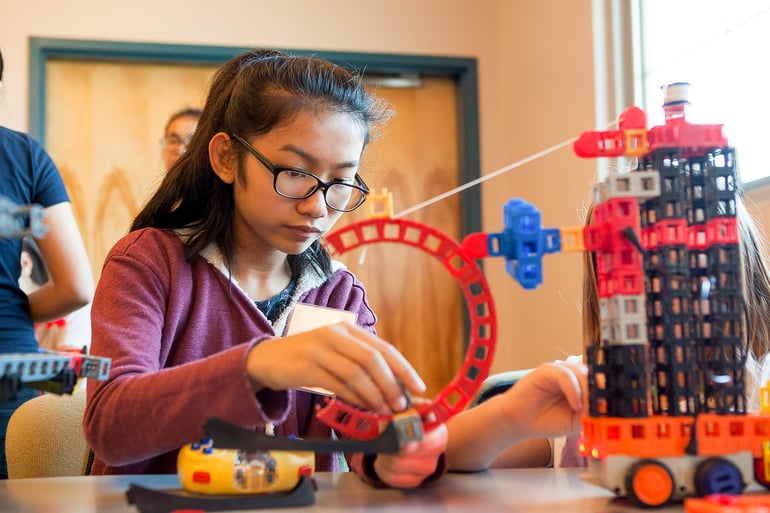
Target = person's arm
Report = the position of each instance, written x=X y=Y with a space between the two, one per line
x=70 y=285
x=177 y=352
x=547 y=402
x=530 y=453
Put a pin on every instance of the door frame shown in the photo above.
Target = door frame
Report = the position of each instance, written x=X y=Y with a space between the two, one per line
x=463 y=70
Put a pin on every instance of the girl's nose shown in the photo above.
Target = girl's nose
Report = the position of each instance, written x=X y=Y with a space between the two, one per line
x=314 y=205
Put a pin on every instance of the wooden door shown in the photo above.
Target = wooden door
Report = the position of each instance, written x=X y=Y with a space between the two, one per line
x=104 y=123
x=418 y=303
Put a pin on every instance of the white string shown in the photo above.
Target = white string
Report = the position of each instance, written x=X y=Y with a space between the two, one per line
x=486 y=177
x=493 y=174
x=362 y=256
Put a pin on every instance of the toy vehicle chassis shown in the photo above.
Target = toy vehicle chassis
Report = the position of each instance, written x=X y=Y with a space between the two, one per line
x=150 y=500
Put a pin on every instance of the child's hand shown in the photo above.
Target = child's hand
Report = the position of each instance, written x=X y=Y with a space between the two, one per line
x=51 y=335
x=357 y=366
x=509 y=429
x=548 y=401
x=415 y=462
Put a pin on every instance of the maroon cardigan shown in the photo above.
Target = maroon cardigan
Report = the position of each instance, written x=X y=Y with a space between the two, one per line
x=178 y=333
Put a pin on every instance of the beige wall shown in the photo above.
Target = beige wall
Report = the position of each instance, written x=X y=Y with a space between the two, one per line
x=536 y=90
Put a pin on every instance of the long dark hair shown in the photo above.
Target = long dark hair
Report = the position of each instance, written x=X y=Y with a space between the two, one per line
x=250 y=95
x=39 y=274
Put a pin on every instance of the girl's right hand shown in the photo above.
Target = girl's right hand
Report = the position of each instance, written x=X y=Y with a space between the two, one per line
x=357 y=366
x=549 y=401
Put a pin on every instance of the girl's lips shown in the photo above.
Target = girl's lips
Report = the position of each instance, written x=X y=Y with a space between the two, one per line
x=305 y=232
x=303 y=228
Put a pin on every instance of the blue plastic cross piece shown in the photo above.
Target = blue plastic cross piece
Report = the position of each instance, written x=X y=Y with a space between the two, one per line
x=523 y=242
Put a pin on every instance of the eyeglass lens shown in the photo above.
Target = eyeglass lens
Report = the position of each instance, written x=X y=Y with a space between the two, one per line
x=298 y=184
x=339 y=196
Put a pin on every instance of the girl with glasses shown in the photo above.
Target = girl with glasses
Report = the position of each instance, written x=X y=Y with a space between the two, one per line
x=193 y=302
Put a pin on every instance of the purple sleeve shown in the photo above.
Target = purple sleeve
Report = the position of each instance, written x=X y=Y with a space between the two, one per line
x=176 y=360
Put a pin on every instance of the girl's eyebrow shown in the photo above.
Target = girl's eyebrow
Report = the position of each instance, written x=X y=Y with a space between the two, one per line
x=314 y=161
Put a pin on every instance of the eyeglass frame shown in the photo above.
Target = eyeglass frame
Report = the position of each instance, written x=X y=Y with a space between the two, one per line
x=324 y=186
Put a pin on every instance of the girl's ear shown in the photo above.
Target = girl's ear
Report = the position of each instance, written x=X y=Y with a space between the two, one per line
x=223 y=159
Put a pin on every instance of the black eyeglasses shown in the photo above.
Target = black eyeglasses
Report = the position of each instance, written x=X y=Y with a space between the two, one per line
x=295 y=183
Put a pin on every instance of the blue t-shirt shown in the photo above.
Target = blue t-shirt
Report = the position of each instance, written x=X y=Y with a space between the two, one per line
x=27 y=175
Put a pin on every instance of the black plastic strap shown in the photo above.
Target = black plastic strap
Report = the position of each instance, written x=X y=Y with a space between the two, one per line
x=149 y=500
x=230 y=436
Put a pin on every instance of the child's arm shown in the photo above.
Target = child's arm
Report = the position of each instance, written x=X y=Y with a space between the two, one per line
x=533 y=452
x=547 y=402
x=345 y=359
x=71 y=284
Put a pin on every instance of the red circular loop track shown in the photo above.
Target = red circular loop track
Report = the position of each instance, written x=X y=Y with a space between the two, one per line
x=457 y=394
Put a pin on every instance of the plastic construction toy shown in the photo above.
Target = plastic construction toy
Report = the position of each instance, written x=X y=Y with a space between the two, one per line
x=215 y=479
x=205 y=469
x=16 y=221
x=524 y=242
x=248 y=470
x=368 y=432
x=50 y=371
x=667 y=410
x=381 y=227
x=728 y=504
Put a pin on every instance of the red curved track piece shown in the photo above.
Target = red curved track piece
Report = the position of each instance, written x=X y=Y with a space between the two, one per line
x=457 y=394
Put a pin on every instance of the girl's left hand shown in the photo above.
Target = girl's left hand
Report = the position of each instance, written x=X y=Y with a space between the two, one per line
x=415 y=462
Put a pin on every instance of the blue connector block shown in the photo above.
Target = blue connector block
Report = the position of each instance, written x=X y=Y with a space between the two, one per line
x=524 y=242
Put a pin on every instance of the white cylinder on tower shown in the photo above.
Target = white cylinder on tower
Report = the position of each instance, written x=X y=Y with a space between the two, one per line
x=676 y=98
